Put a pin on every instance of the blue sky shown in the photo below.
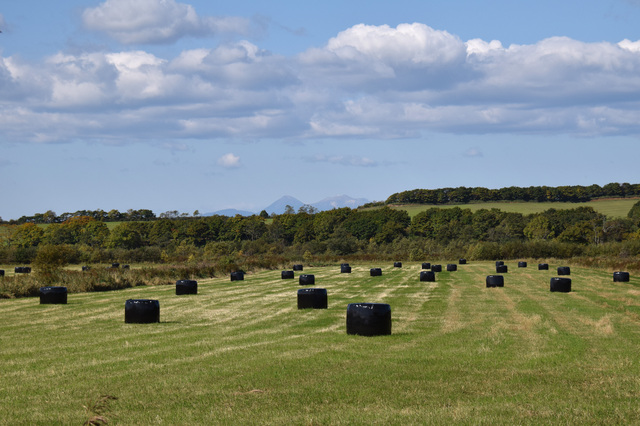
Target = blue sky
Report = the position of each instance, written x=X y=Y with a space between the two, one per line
x=202 y=105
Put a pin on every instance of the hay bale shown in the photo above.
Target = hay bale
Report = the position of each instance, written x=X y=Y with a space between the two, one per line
x=501 y=269
x=297 y=267
x=53 y=295
x=621 y=277
x=186 y=287
x=543 y=266
x=115 y=265
x=451 y=267
x=564 y=270
x=141 y=311
x=345 y=268
x=369 y=319
x=125 y=266
x=426 y=265
x=237 y=276
x=22 y=270
x=375 y=272
x=312 y=298
x=286 y=275
x=1 y=272
x=499 y=263
x=307 y=279
x=561 y=284
x=495 y=281
x=397 y=264
x=436 y=268
x=522 y=264
x=462 y=261
x=428 y=276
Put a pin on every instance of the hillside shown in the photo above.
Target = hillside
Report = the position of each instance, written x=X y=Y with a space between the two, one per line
x=612 y=207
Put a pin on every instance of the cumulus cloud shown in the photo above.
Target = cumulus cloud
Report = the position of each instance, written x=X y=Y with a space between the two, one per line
x=366 y=82
x=229 y=161
x=156 y=21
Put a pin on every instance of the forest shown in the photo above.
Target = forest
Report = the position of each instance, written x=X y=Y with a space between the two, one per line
x=327 y=236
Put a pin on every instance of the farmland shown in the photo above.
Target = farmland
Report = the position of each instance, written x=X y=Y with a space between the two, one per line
x=614 y=207
x=242 y=353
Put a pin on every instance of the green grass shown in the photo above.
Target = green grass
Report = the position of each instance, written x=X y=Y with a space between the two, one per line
x=610 y=207
x=242 y=353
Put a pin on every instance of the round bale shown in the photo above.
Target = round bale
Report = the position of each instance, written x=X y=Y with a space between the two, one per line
x=501 y=269
x=237 y=276
x=428 y=276
x=564 y=270
x=345 y=268
x=312 y=298
x=397 y=264
x=141 y=311
x=436 y=268
x=53 y=295
x=369 y=319
x=543 y=266
x=426 y=265
x=186 y=287
x=452 y=267
x=561 y=284
x=297 y=267
x=375 y=272
x=286 y=275
x=495 y=281
x=522 y=264
x=462 y=261
x=621 y=277
x=307 y=279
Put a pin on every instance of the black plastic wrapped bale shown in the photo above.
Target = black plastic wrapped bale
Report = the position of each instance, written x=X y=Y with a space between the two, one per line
x=141 y=311
x=186 y=287
x=436 y=268
x=369 y=319
x=237 y=276
x=501 y=269
x=452 y=267
x=286 y=275
x=1 y=272
x=462 y=261
x=522 y=264
x=543 y=266
x=297 y=267
x=86 y=268
x=495 y=281
x=561 y=284
x=428 y=276
x=312 y=298
x=115 y=265
x=621 y=277
x=564 y=270
x=499 y=262
x=375 y=272
x=22 y=269
x=307 y=279
x=53 y=295
x=426 y=265
x=397 y=264
x=345 y=268
x=125 y=266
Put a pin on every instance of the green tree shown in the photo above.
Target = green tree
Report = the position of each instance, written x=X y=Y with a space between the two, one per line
x=26 y=235
x=126 y=235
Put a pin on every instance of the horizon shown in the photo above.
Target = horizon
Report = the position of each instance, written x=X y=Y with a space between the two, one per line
x=227 y=106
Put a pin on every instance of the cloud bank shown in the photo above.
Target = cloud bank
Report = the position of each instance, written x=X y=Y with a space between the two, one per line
x=366 y=82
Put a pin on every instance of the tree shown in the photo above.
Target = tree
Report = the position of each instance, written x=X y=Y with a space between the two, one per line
x=264 y=214
x=126 y=235
x=26 y=235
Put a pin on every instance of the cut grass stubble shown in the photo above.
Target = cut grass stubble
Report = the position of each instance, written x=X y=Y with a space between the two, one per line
x=242 y=352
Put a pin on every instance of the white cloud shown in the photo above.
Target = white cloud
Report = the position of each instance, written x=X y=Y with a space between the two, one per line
x=474 y=153
x=156 y=21
x=229 y=161
x=367 y=82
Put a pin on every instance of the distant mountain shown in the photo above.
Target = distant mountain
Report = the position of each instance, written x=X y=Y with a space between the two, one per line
x=230 y=213
x=339 y=202
x=278 y=207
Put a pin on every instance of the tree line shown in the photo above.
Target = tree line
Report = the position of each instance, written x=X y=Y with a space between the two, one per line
x=380 y=232
x=462 y=195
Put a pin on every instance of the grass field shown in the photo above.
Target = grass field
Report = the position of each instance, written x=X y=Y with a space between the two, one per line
x=242 y=353
x=615 y=207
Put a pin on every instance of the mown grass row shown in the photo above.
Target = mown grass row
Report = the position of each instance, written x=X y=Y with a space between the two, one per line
x=242 y=353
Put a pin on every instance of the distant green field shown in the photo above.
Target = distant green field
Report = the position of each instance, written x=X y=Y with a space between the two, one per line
x=609 y=207
x=242 y=353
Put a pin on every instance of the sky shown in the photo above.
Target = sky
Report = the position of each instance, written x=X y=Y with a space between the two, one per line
x=209 y=105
